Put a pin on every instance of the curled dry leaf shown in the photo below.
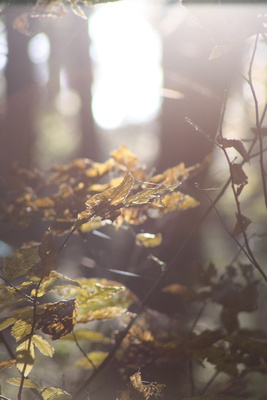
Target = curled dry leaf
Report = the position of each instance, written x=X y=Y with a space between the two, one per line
x=107 y=203
x=236 y=144
x=238 y=175
x=241 y=225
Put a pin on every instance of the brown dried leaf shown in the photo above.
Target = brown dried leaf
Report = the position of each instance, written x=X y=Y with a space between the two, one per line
x=238 y=175
x=59 y=318
x=236 y=144
x=241 y=225
x=145 y=196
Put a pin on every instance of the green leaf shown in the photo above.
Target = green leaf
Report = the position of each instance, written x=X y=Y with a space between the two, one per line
x=50 y=393
x=42 y=345
x=27 y=383
x=89 y=336
x=25 y=356
x=21 y=262
x=52 y=283
x=20 y=329
x=96 y=358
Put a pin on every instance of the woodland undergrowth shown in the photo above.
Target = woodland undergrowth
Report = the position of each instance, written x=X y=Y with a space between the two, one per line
x=43 y=309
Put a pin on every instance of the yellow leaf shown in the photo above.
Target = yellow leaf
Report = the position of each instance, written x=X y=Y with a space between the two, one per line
x=27 y=383
x=25 y=356
x=42 y=345
x=148 y=239
x=7 y=322
x=125 y=157
x=20 y=329
x=104 y=313
x=96 y=358
x=52 y=282
x=107 y=203
x=173 y=202
x=7 y=364
x=89 y=336
x=50 y=393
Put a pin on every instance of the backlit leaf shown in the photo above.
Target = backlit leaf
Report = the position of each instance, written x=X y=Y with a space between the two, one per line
x=22 y=261
x=125 y=157
x=172 y=175
x=58 y=319
x=50 y=393
x=96 y=294
x=48 y=254
x=7 y=364
x=175 y=201
x=52 y=282
x=42 y=345
x=7 y=322
x=148 y=239
x=107 y=203
x=97 y=357
x=89 y=336
x=104 y=313
x=20 y=329
x=25 y=356
x=27 y=383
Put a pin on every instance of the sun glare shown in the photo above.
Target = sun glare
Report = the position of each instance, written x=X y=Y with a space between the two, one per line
x=127 y=55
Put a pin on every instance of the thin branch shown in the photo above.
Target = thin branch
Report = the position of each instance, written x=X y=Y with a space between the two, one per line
x=82 y=351
x=30 y=337
x=16 y=289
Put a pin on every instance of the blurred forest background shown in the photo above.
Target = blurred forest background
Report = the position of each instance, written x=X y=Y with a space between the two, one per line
x=134 y=72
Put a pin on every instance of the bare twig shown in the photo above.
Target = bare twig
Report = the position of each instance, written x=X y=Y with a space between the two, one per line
x=83 y=352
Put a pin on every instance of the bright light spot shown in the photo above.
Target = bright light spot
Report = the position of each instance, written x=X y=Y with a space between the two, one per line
x=3 y=46
x=39 y=48
x=128 y=76
x=68 y=102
